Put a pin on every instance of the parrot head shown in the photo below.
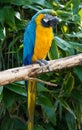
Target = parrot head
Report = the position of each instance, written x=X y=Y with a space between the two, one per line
x=46 y=17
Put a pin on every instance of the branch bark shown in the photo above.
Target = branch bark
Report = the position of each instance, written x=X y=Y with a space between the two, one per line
x=26 y=72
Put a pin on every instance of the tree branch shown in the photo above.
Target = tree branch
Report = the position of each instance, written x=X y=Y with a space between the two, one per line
x=27 y=72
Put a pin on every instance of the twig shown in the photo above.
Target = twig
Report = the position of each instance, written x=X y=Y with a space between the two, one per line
x=42 y=81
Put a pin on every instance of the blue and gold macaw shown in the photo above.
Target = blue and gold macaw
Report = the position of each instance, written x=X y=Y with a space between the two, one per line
x=38 y=38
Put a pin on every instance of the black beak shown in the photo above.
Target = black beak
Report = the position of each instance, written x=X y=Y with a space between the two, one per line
x=50 y=20
x=54 y=22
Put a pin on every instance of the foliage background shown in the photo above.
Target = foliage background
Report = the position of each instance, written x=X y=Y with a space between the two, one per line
x=56 y=108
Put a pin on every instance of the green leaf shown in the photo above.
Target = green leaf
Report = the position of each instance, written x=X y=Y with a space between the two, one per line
x=78 y=111
x=64 y=14
x=77 y=94
x=69 y=83
x=80 y=13
x=1 y=95
x=71 y=122
x=41 y=88
x=7 y=124
x=76 y=17
x=2 y=34
x=43 y=3
x=48 y=108
x=8 y=98
x=2 y=16
x=1 y=89
x=50 y=113
x=68 y=46
x=5 y=1
x=78 y=35
x=76 y=6
x=53 y=53
x=17 y=88
x=44 y=101
x=67 y=107
x=19 y=124
x=60 y=110
x=21 y=2
x=76 y=46
x=67 y=4
x=9 y=16
x=49 y=126
x=64 y=45
x=78 y=72
x=20 y=24
x=12 y=124
x=38 y=127
x=33 y=7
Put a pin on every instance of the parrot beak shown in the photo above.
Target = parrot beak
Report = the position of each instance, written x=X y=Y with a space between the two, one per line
x=53 y=22
x=50 y=20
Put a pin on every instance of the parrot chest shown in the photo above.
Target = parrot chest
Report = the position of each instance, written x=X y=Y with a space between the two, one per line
x=43 y=41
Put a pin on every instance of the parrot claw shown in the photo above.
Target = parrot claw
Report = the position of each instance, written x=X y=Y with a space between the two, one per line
x=42 y=63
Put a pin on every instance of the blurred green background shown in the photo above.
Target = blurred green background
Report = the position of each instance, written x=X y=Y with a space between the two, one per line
x=56 y=107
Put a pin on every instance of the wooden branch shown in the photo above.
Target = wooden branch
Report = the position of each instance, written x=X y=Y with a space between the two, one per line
x=26 y=72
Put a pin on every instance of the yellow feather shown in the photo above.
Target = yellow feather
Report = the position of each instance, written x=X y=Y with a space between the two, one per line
x=43 y=41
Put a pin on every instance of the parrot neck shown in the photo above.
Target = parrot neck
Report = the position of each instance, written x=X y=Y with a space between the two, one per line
x=38 y=19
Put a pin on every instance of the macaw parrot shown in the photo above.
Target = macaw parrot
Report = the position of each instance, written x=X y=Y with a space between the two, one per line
x=38 y=38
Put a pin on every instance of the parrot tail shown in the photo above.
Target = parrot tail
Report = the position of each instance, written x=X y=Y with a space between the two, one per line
x=31 y=103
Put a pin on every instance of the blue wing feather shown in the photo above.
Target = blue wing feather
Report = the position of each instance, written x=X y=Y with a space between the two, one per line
x=29 y=42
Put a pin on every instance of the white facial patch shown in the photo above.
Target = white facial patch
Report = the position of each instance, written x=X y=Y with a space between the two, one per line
x=45 y=20
x=47 y=17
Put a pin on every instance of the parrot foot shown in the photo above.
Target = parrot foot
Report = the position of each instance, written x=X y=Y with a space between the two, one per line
x=42 y=63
